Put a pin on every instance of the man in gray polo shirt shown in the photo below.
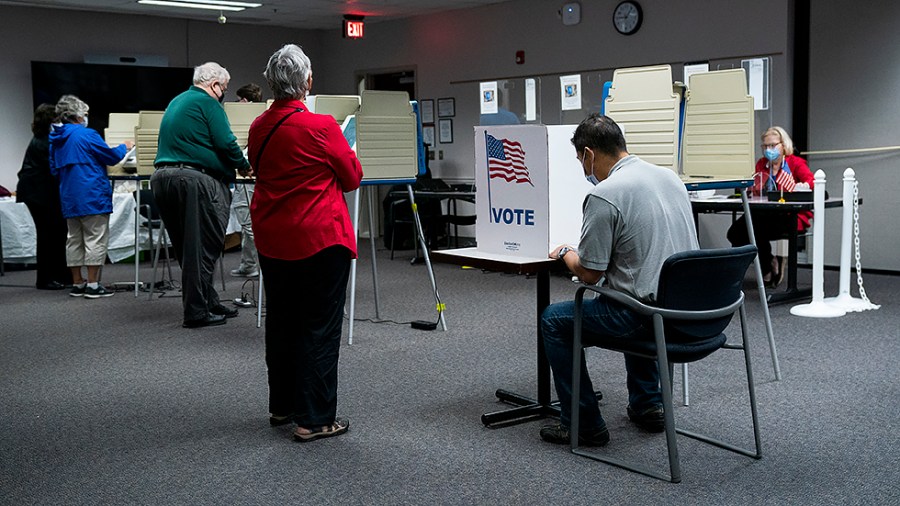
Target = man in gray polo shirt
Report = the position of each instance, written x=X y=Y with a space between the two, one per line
x=636 y=216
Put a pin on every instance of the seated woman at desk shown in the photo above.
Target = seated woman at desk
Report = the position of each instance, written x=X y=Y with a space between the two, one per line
x=779 y=170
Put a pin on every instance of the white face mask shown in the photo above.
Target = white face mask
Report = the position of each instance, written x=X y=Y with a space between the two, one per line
x=591 y=178
x=84 y=121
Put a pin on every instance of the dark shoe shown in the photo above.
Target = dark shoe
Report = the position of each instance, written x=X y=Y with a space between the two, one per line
x=53 y=285
x=221 y=310
x=278 y=420
x=77 y=291
x=96 y=293
x=651 y=419
x=210 y=321
x=338 y=427
x=779 y=266
x=559 y=434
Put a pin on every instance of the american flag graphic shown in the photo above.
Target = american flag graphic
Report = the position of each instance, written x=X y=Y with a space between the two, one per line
x=506 y=160
x=785 y=180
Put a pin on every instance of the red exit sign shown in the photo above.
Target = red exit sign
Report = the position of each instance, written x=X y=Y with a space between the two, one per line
x=353 y=29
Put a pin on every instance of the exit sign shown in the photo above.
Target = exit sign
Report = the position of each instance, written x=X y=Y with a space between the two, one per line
x=353 y=28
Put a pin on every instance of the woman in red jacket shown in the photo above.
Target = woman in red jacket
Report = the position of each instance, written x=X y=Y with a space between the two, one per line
x=305 y=239
x=778 y=170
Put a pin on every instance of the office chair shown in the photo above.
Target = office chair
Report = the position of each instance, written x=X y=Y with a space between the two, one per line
x=692 y=311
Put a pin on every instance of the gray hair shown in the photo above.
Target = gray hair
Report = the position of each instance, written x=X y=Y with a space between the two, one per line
x=209 y=72
x=70 y=108
x=288 y=73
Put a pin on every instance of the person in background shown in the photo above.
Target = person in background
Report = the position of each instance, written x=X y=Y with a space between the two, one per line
x=636 y=216
x=78 y=158
x=39 y=190
x=303 y=166
x=195 y=162
x=249 y=93
x=243 y=194
x=778 y=170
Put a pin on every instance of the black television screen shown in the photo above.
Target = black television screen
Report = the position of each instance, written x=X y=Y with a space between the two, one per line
x=108 y=88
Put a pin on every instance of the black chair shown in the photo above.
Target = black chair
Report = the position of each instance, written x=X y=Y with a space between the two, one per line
x=153 y=223
x=699 y=292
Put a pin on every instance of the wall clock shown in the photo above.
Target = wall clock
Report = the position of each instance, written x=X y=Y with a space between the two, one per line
x=627 y=17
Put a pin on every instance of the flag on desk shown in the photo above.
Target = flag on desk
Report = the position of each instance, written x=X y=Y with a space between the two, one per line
x=785 y=180
x=506 y=160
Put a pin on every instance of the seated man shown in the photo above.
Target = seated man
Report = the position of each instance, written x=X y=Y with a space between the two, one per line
x=635 y=217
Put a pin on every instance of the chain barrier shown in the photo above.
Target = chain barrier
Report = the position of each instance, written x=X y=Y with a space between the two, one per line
x=859 y=279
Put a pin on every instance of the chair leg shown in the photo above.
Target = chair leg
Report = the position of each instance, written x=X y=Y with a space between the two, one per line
x=685 y=386
x=222 y=269
x=156 y=260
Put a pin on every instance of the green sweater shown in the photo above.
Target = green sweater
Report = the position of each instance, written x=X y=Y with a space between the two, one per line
x=195 y=131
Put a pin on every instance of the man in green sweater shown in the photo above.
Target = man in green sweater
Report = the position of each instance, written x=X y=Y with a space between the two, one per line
x=195 y=162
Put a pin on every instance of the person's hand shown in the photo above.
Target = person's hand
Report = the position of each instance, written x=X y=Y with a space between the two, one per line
x=555 y=253
x=801 y=186
x=245 y=172
x=129 y=144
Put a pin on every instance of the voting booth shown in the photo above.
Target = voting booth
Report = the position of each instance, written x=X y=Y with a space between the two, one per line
x=240 y=116
x=646 y=104
x=146 y=140
x=529 y=189
x=121 y=128
x=387 y=139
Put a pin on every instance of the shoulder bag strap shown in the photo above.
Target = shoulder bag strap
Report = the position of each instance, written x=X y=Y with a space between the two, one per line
x=272 y=131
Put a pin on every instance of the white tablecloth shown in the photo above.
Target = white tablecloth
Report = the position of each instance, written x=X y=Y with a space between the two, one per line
x=20 y=238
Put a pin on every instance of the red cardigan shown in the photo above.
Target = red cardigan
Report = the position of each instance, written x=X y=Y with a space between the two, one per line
x=298 y=208
x=802 y=174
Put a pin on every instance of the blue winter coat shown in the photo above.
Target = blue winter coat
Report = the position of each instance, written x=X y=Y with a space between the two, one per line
x=78 y=159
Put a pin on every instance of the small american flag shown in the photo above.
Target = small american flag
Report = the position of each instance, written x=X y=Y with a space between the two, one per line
x=506 y=160
x=785 y=180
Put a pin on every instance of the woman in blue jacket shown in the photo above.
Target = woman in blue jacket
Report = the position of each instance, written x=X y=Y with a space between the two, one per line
x=78 y=158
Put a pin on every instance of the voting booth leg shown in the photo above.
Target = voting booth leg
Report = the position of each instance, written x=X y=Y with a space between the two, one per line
x=353 y=265
x=137 y=238
x=259 y=297
x=421 y=237
x=761 y=287
x=372 y=236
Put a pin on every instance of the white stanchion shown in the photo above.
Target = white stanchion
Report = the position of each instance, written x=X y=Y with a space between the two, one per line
x=844 y=300
x=818 y=308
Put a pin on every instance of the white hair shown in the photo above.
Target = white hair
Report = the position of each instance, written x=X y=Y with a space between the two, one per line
x=288 y=72
x=70 y=108
x=209 y=72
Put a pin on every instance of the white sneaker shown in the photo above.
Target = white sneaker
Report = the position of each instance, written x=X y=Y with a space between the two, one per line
x=244 y=272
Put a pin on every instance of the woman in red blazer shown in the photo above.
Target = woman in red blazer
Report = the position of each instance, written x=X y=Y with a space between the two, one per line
x=778 y=170
x=304 y=235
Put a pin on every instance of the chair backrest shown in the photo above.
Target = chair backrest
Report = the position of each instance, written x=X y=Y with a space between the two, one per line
x=148 y=205
x=702 y=280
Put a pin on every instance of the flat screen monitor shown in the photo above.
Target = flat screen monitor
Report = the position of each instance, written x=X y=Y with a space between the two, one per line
x=108 y=88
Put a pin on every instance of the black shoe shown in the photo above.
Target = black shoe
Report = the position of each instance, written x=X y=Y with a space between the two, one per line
x=651 y=419
x=221 y=310
x=210 y=321
x=559 y=434
x=53 y=285
x=96 y=293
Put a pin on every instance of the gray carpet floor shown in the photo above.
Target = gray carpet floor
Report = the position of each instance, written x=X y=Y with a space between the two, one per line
x=110 y=401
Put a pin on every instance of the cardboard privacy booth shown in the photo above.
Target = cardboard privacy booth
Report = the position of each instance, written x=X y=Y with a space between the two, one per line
x=529 y=189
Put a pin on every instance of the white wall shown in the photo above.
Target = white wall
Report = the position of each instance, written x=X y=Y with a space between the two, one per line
x=67 y=36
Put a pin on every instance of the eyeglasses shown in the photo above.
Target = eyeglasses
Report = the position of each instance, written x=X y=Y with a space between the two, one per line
x=771 y=146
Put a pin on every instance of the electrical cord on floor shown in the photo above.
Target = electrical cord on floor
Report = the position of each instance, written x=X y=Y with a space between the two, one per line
x=247 y=298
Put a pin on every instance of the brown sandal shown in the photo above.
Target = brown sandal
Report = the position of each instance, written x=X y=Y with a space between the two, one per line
x=338 y=427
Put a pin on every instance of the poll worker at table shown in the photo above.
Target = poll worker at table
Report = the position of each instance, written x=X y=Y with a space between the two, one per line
x=636 y=216
x=243 y=195
x=778 y=170
x=305 y=238
x=78 y=158
x=39 y=191
x=195 y=162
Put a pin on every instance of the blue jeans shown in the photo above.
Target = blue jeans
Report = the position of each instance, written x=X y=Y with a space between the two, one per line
x=601 y=318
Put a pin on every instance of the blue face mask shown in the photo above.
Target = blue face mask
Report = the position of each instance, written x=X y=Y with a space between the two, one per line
x=772 y=154
x=590 y=178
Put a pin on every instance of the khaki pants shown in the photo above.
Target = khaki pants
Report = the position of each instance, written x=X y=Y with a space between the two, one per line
x=87 y=240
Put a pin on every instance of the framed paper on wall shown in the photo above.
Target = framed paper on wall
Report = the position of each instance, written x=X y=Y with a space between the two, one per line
x=446 y=107
x=446 y=130
x=428 y=134
x=426 y=108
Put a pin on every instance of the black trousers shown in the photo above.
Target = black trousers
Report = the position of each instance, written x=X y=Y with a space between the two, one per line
x=766 y=227
x=194 y=208
x=304 y=316
x=51 y=243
